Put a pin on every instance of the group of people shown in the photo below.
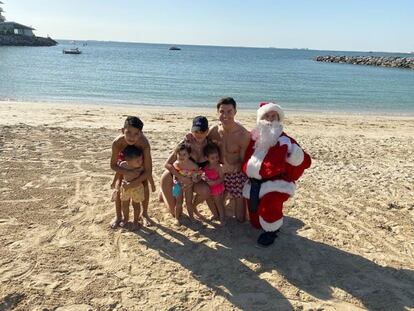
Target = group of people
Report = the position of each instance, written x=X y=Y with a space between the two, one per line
x=256 y=170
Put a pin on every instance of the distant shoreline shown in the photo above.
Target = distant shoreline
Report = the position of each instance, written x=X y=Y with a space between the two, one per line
x=235 y=46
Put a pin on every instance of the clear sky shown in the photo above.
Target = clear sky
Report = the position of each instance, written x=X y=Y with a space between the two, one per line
x=359 y=25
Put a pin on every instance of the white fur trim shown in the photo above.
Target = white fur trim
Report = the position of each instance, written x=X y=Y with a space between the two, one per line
x=296 y=156
x=246 y=190
x=284 y=140
x=270 y=107
x=271 y=186
x=279 y=186
x=255 y=163
x=270 y=226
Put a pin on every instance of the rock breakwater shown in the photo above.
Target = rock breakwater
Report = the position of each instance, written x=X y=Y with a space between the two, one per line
x=19 y=40
x=394 y=62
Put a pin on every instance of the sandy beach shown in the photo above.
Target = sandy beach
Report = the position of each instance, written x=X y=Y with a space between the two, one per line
x=347 y=243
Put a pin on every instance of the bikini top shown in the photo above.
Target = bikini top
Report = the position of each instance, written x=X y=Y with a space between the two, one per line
x=200 y=164
x=211 y=174
x=185 y=172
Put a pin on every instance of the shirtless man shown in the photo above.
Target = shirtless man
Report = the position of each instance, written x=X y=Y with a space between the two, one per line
x=132 y=135
x=233 y=139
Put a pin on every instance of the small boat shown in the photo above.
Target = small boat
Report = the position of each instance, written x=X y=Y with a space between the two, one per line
x=174 y=48
x=72 y=51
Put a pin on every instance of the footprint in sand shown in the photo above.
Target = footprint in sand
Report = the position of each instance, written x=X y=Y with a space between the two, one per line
x=81 y=307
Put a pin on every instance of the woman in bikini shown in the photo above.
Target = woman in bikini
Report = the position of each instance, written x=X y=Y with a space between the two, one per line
x=199 y=132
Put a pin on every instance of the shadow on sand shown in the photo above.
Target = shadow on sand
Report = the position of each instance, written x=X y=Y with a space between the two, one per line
x=313 y=267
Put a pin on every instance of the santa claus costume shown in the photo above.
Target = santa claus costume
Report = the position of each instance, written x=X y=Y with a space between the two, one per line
x=273 y=162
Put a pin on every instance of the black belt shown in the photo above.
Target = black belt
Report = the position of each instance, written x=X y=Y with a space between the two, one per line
x=255 y=185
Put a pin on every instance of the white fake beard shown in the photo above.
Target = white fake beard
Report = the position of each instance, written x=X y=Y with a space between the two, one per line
x=266 y=134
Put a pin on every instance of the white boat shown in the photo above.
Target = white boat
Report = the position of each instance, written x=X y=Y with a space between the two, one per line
x=72 y=51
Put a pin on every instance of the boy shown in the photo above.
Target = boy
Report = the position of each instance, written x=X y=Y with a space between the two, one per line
x=132 y=195
x=132 y=135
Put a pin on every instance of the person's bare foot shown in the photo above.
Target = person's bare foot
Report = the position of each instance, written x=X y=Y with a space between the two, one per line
x=147 y=221
x=201 y=217
x=123 y=224
x=115 y=223
x=172 y=212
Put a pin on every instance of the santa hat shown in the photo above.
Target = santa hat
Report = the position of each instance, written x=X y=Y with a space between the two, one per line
x=266 y=107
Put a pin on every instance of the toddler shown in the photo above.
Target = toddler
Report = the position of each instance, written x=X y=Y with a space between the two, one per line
x=214 y=176
x=181 y=189
x=133 y=164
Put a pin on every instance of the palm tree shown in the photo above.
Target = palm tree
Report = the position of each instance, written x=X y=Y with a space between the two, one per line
x=2 y=18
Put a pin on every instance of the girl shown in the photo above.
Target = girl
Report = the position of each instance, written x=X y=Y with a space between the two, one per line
x=214 y=176
x=187 y=174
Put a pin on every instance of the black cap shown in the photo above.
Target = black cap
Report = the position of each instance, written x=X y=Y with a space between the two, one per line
x=200 y=123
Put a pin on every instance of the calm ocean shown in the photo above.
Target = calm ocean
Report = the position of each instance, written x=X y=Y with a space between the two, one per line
x=150 y=74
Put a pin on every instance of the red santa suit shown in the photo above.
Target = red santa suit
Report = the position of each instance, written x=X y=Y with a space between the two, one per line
x=276 y=169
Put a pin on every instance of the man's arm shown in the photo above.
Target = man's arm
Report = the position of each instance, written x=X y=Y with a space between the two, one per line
x=244 y=143
x=213 y=135
x=147 y=167
x=147 y=163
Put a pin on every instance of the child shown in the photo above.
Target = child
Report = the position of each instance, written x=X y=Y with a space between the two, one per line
x=214 y=176
x=135 y=195
x=117 y=181
x=132 y=135
x=186 y=168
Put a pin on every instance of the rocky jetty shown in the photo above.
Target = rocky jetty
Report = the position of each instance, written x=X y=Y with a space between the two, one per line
x=19 y=40
x=395 y=62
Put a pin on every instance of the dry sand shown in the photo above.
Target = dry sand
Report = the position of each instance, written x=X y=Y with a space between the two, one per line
x=347 y=244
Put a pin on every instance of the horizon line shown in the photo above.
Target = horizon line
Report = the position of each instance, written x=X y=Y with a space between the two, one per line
x=237 y=46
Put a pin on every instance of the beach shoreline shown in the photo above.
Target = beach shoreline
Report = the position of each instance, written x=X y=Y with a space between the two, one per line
x=348 y=232
x=209 y=109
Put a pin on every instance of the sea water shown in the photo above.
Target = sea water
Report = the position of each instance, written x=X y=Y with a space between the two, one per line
x=197 y=76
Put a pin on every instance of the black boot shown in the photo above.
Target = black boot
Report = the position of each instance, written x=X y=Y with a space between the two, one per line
x=267 y=238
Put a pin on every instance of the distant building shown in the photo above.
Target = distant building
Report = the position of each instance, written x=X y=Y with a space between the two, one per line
x=15 y=34
x=12 y=28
